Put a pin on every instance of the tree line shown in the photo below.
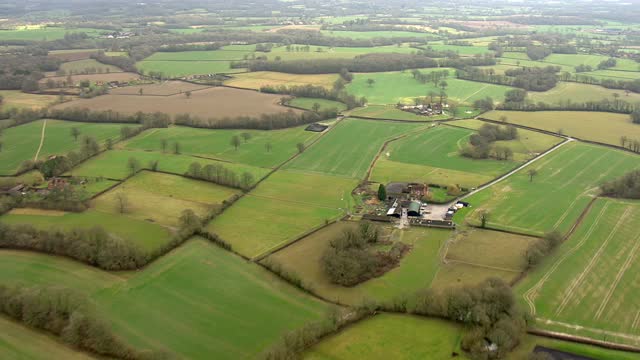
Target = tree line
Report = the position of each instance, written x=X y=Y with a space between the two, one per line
x=627 y=187
x=221 y=175
x=70 y=316
x=480 y=144
x=604 y=105
x=263 y=122
x=530 y=78
x=626 y=85
x=337 y=93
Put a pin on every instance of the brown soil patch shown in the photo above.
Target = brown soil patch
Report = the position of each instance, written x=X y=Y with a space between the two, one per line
x=73 y=56
x=208 y=103
x=296 y=27
x=39 y=212
x=106 y=77
x=165 y=89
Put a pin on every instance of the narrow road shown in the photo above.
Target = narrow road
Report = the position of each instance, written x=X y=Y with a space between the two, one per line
x=44 y=127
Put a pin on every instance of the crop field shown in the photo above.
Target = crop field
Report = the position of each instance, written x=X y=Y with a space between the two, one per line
x=14 y=99
x=602 y=127
x=143 y=234
x=216 y=102
x=258 y=79
x=340 y=153
x=185 y=68
x=161 y=198
x=261 y=221
x=20 y=342
x=216 y=144
x=24 y=142
x=308 y=103
x=567 y=179
x=165 y=88
x=214 y=55
x=206 y=303
x=416 y=271
x=592 y=279
x=388 y=336
x=575 y=92
x=395 y=87
x=113 y=164
x=79 y=66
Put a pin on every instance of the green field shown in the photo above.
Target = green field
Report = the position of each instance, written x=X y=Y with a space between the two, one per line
x=161 y=198
x=20 y=342
x=113 y=164
x=43 y=33
x=388 y=336
x=461 y=50
x=200 y=302
x=340 y=153
x=262 y=220
x=394 y=87
x=602 y=127
x=216 y=144
x=577 y=93
x=416 y=271
x=21 y=143
x=592 y=280
x=566 y=181
x=308 y=103
x=145 y=235
x=186 y=68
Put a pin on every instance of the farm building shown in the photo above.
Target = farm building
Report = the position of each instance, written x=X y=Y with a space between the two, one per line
x=406 y=190
x=315 y=127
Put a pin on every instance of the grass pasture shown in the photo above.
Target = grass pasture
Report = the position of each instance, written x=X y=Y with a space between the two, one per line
x=206 y=303
x=340 y=153
x=22 y=142
x=566 y=181
x=113 y=164
x=601 y=127
x=416 y=271
x=15 y=99
x=388 y=336
x=161 y=198
x=395 y=87
x=258 y=79
x=216 y=144
x=578 y=93
x=262 y=220
x=216 y=102
x=592 y=279
x=308 y=103
x=143 y=234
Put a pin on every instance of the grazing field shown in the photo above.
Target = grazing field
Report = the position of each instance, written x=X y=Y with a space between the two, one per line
x=202 y=302
x=576 y=93
x=216 y=103
x=566 y=181
x=340 y=153
x=217 y=143
x=473 y=255
x=143 y=234
x=589 y=285
x=400 y=87
x=258 y=79
x=433 y=156
x=602 y=127
x=15 y=99
x=416 y=271
x=113 y=164
x=86 y=65
x=262 y=220
x=165 y=88
x=186 y=68
x=161 y=198
x=23 y=142
x=308 y=103
x=390 y=112
x=20 y=342
x=391 y=336
x=104 y=77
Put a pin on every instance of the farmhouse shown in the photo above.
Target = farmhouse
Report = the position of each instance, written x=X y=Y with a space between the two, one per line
x=425 y=109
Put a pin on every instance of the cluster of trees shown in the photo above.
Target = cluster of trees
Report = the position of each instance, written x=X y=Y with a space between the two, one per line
x=605 y=64
x=530 y=78
x=70 y=317
x=541 y=248
x=436 y=76
x=583 y=68
x=627 y=186
x=337 y=93
x=480 y=144
x=536 y=52
x=264 y=122
x=489 y=309
x=221 y=175
x=123 y=62
x=349 y=260
x=22 y=72
x=60 y=164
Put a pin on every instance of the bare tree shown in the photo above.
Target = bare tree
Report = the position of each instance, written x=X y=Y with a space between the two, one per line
x=300 y=147
x=268 y=147
x=532 y=173
x=75 y=132
x=235 y=141
x=484 y=218
x=164 y=144
x=188 y=94
x=122 y=203
x=246 y=136
x=370 y=82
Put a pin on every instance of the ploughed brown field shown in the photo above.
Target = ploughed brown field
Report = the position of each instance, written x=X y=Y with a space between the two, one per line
x=164 y=89
x=73 y=55
x=216 y=102
x=106 y=77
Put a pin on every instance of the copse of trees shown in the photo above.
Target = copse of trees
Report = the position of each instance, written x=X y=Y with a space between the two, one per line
x=627 y=186
x=263 y=122
x=69 y=316
x=22 y=72
x=530 y=78
x=480 y=144
x=221 y=175
x=535 y=52
x=123 y=62
x=541 y=248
